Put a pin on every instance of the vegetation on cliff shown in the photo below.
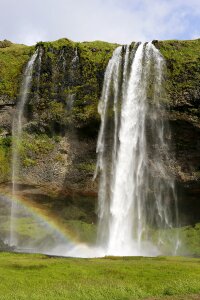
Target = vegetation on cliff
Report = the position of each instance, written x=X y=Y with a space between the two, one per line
x=5 y=158
x=12 y=61
x=66 y=87
x=183 y=76
x=75 y=74
x=67 y=68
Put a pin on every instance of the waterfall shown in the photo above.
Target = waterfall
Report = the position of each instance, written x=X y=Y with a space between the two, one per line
x=75 y=59
x=136 y=193
x=39 y=61
x=70 y=102
x=63 y=60
x=16 y=138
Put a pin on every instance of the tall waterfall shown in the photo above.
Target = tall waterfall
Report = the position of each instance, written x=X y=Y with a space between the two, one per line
x=17 y=135
x=136 y=193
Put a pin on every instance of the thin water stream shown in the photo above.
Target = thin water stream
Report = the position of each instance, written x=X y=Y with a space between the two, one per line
x=16 y=138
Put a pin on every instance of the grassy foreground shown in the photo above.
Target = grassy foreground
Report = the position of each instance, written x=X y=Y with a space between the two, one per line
x=28 y=276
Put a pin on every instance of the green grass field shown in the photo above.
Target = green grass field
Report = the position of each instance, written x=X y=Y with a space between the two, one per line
x=39 y=277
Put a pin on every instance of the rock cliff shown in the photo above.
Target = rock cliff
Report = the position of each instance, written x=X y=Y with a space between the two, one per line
x=61 y=120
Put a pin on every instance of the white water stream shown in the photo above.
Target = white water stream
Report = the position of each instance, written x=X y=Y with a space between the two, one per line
x=136 y=192
x=16 y=139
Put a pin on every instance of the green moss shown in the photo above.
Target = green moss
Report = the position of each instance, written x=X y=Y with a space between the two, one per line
x=32 y=147
x=12 y=62
x=5 y=142
x=5 y=157
x=64 y=42
x=28 y=162
x=94 y=57
x=57 y=112
x=88 y=167
x=84 y=81
x=4 y=164
x=95 y=53
x=183 y=71
x=59 y=158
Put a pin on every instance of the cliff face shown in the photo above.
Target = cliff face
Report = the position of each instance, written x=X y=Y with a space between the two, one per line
x=183 y=100
x=61 y=120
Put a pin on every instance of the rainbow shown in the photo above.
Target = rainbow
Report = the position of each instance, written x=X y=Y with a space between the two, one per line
x=50 y=221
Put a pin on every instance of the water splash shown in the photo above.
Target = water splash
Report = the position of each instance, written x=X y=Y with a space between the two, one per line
x=16 y=138
x=136 y=192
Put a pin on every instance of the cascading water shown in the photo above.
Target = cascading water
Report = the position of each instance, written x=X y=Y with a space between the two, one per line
x=39 y=61
x=75 y=59
x=136 y=192
x=63 y=60
x=16 y=138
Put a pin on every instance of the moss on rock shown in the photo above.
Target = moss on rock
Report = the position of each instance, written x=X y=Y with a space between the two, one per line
x=5 y=158
x=12 y=62
x=183 y=74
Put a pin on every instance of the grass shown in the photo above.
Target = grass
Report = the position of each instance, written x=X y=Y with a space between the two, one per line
x=25 y=276
x=12 y=61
